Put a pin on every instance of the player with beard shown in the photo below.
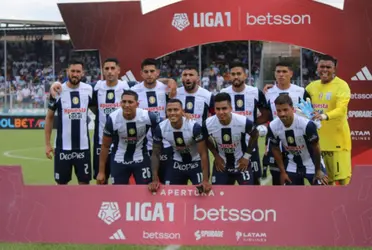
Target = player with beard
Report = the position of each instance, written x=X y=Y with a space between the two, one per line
x=299 y=137
x=106 y=99
x=72 y=144
x=330 y=98
x=247 y=101
x=190 y=157
x=198 y=102
x=152 y=96
x=127 y=127
x=283 y=75
x=231 y=153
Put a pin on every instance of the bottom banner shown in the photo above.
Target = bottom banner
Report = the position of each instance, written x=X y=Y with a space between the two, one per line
x=178 y=215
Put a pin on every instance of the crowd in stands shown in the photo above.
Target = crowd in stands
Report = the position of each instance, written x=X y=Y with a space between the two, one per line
x=30 y=67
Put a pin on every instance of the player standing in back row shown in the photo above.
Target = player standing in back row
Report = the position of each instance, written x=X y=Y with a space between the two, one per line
x=72 y=144
x=197 y=101
x=330 y=98
x=246 y=101
x=283 y=75
x=127 y=127
x=153 y=96
x=231 y=154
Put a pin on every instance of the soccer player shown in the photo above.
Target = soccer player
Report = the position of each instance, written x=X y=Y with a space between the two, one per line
x=299 y=138
x=231 y=154
x=198 y=102
x=106 y=97
x=72 y=144
x=247 y=101
x=283 y=75
x=190 y=157
x=127 y=127
x=330 y=98
x=153 y=96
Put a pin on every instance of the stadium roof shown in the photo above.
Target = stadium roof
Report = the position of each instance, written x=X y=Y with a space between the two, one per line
x=27 y=27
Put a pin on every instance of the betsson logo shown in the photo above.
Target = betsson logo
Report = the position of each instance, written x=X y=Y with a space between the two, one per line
x=361 y=96
x=270 y=19
x=233 y=214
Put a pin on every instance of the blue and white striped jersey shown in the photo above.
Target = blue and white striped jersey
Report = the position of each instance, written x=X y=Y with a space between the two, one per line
x=153 y=100
x=198 y=104
x=107 y=99
x=130 y=135
x=184 y=140
x=230 y=139
x=296 y=141
x=72 y=111
x=246 y=102
x=295 y=92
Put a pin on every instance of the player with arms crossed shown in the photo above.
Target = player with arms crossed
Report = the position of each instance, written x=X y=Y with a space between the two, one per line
x=231 y=154
x=127 y=127
x=330 y=98
x=283 y=75
x=247 y=100
x=299 y=138
x=198 y=102
x=72 y=144
x=190 y=157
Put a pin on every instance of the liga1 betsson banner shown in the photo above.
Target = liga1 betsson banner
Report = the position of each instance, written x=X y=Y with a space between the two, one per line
x=178 y=215
x=190 y=23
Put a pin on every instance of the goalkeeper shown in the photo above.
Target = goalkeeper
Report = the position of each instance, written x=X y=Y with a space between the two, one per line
x=330 y=98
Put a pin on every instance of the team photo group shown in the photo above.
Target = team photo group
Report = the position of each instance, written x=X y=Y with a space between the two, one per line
x=158 y=133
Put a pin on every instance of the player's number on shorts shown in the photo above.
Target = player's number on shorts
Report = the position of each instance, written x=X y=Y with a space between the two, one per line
x=200 y=177
x=246 y=175
x=146 y=173
x=86 y=168
x=254 y=166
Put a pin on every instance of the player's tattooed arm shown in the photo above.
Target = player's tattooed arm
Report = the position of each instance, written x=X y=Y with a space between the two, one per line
x=155 y=160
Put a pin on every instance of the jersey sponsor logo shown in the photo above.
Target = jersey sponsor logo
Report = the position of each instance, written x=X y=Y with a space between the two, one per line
x=245 y=113
x=108 y=108
x=155 y=109
x=71 y=156
x=185 y=167
x=194 y=116
x=295 y=150
x=208 y=234
x=75 y=113
x=360 y=114
x=320 y=106
x=129 y=162
x=356 y=96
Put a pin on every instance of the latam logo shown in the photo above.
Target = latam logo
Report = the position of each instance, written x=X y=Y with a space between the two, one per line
x=363 y=75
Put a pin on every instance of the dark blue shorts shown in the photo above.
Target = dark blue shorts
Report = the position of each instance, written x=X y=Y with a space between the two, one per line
x=141 y=170
x=256 y=164
x=65 y=160
x=229 y=177
x=96 y=154
x=179 y=173
x=166 y=159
